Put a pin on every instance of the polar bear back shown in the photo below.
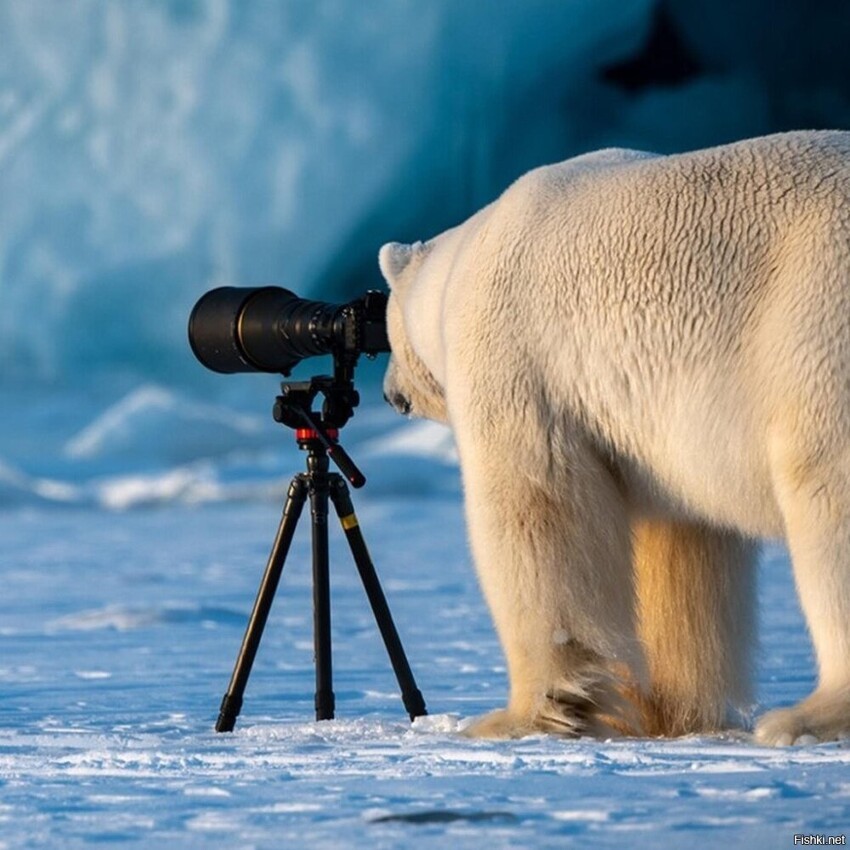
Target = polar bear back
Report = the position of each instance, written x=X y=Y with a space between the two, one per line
x=660 y=296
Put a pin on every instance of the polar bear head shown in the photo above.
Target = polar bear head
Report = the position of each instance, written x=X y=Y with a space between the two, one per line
x=410 y=385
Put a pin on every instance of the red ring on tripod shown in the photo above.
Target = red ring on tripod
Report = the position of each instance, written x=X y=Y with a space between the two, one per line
x=312 y=434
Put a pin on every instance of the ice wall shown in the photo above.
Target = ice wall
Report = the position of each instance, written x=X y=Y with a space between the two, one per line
x=149 y=150
x=152 y=149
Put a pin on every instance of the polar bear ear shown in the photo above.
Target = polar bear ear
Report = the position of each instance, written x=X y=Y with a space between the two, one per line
x=395 y=257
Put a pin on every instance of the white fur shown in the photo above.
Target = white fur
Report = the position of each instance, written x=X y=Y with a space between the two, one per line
x=646 y=364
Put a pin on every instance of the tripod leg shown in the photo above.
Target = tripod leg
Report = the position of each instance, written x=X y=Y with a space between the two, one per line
x=321 y=592
x=232 y=702
x=411 y=695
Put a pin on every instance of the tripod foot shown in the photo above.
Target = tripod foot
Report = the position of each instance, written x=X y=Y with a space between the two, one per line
x=414 y=702
x=325 y=704
x=231 y=705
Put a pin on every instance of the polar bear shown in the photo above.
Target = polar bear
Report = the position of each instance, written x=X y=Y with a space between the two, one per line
x=645 y=361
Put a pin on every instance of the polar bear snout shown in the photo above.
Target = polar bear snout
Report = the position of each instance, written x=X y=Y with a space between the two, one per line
x=399 y=402
x=394 y=389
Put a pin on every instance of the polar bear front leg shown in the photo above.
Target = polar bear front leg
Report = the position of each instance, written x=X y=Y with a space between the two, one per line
x=552 y=549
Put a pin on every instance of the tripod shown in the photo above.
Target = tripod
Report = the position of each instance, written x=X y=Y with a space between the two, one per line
x=317 y=435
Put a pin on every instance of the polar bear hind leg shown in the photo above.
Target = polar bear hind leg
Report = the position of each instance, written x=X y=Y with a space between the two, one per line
x=807 y=444
x=696 y=616
x=815 y=499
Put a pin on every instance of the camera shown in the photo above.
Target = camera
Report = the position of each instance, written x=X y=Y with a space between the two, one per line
x=270 y=329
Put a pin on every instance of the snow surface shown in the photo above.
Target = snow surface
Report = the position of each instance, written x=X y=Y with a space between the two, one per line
x=119 y=629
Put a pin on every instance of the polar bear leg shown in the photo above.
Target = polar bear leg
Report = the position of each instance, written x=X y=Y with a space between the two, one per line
x=696 y=607
x=816 y=505
x=552 y=549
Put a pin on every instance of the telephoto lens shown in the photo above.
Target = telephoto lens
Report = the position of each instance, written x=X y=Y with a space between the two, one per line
x=270 y=329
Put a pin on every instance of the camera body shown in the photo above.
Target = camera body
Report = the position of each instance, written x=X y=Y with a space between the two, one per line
x=270 y=329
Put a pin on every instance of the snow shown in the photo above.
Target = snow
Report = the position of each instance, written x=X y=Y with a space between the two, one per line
x=120 y=629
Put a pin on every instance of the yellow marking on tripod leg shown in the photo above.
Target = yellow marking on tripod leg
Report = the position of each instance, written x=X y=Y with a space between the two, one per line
x=349 y=521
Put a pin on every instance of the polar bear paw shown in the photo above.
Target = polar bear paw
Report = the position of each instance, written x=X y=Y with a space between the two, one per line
x=594 y=704
x=821 y=717
x=502 y=723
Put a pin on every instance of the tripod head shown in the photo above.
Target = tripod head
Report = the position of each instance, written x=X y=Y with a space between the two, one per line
x=317 y=431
